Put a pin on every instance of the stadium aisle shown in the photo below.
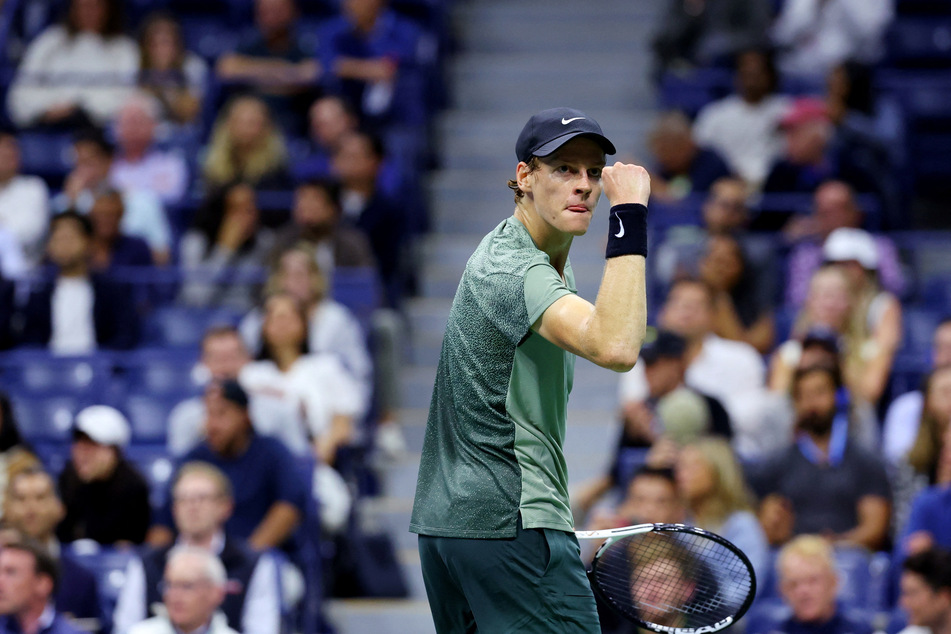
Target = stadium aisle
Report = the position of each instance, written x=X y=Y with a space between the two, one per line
x=513 y=59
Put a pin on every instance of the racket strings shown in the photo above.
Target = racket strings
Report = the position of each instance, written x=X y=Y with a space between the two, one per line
x=673 y=580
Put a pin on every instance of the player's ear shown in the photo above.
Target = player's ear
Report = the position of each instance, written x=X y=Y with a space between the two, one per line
x=523 y=173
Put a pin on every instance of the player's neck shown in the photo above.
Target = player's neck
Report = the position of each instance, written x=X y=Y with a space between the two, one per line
x=554 y=243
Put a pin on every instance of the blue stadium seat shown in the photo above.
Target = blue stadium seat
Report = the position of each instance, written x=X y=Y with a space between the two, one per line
x=919 y=323
x=691 y=91
x=920 y=42
x=47 y=417
x=47 y=155
x=208 y=35
x=184 y=326
x=38 y=371
x=148 y=415
x=156 y=466
x=157 y=371
x=108 y=564
x=359 y=290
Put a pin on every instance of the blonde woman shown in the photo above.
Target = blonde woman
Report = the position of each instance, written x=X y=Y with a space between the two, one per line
x=246 y=145
x=710 y=483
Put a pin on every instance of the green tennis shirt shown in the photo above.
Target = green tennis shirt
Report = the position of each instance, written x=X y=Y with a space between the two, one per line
x=496 y=427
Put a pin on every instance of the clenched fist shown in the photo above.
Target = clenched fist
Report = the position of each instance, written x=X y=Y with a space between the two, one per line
x=624 y=183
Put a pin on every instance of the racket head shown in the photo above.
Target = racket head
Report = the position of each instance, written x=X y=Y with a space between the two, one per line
x=674 y=579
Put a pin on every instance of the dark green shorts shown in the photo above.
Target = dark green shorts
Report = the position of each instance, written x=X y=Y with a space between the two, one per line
x=532 y=583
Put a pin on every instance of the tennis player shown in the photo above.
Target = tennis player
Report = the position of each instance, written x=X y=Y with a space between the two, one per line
x=492 y=512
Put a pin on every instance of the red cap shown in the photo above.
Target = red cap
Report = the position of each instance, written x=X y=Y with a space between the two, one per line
x=803 y=110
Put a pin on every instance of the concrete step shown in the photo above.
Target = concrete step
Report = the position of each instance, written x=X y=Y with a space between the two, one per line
x=363 y=616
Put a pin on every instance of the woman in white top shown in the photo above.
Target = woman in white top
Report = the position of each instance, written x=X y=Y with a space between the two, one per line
x=332 y=327
x=328 y=398
x=78 y=71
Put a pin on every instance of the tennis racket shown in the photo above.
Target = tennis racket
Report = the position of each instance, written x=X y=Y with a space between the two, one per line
x=672 y=578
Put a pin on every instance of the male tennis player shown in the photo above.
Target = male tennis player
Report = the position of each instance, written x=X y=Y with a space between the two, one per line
x=492 y=511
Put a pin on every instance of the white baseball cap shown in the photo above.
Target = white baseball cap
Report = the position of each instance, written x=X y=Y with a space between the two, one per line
x=104 y=425
x=851 y=245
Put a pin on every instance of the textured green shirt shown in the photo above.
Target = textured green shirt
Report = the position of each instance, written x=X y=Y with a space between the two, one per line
x=496 y=428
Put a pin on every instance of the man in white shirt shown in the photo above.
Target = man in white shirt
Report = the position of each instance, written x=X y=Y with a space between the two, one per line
x=202 y=501
x=730 y=371
x=139 y=165
x=24 y=201
x=904 y=414
x=743 y=127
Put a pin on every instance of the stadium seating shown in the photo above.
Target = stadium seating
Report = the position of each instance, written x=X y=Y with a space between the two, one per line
x=108 y=564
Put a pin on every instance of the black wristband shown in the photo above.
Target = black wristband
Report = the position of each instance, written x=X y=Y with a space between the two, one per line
x=627 y=230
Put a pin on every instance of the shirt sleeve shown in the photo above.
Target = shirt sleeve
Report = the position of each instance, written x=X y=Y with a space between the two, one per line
x=130 y=607
x=543 y=286
x=262 y=606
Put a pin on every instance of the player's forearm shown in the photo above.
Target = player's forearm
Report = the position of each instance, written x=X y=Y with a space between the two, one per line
x=616 y=328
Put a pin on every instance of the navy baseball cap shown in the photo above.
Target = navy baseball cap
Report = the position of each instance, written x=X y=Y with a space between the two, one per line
x=548 y=130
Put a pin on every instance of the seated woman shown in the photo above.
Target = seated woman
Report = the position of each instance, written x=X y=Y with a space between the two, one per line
x=246 y=145
x=76 y=73
x=176 y=77
x=710 y=482
x=741 y=311
x=224 y=253
x=332 y=327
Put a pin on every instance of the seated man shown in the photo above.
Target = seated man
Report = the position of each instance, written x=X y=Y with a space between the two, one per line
x=824 y=483
x=194 y=586
x=32 y=510
x=106 y=498
x=270 y=494
x=682 y=166
x=77 y=311
x=28 y=578
x=24 y=200
x=202 y=501
x=809 y=584
x=111 y=247
x=926 y=592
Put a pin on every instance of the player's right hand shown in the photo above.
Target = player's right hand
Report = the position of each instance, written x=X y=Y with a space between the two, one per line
x=625 y=183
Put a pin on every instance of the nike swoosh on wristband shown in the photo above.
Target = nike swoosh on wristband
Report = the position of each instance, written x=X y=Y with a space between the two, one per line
x=567 y=121
x=620 y=234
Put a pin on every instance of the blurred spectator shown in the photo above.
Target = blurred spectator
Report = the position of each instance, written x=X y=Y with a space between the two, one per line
x=928 y=522
x=316 y=219
x=144 y=216
x=76 y=311
x=202 y=501
x=904 y=413
x=710 y=483
x=329 y=399
x=332 y=328
x=33 y=510
x=16 y=455
x=368 y=52
x=223 y=356
x=76 y=73
x=823 y=483
x=670 y=410
x=705 y=32
x=110 y=247
x=813 y=154
x=274 y=63
x=923 y=456
x=194 y=586
x=106 y=498
x=815 y=36
x=743 y=127
x=171 y=74
x=877 y=317
x=24 y=201
x=245 y=145
x=834 y=207
x=688 y=312
x=270 y=495
x=357 y=163
x=926 y=592
x=742 y=312
x=28 y=578
x=140 y=165
x=330 y=119
x=650 y=497
x=809 y=583
x=223 y=255
x=681 y=166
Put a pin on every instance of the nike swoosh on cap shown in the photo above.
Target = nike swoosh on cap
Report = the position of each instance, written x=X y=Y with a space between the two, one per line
x=567 y=121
